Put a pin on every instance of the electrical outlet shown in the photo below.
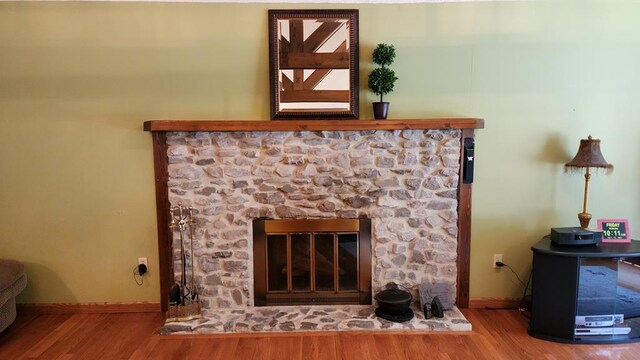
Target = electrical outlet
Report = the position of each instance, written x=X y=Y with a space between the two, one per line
x=496 y=258
x=143 y=261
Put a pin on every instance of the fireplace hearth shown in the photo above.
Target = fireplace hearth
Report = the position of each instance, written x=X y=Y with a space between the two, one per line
x=269 y=319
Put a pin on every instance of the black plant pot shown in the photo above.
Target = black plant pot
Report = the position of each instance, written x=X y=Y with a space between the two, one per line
x=393 y=301
x=380 y=110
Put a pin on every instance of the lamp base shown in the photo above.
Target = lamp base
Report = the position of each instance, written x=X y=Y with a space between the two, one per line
x=584 y=218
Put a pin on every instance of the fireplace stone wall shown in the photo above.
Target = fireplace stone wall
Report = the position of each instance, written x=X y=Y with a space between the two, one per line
x=404 y=180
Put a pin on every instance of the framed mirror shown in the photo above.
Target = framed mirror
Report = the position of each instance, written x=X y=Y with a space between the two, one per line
x=313 y=64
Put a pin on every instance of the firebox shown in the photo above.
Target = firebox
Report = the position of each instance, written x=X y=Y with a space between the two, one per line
x=312 y=261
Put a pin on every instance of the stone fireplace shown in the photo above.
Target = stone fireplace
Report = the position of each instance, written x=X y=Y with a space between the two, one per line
x=406 y=180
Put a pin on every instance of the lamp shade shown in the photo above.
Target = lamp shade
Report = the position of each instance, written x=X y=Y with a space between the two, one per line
x=589 y=155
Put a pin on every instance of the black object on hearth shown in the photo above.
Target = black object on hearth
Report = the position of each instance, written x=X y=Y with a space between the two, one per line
x=436 y=308
x=175 y=294
x=393 y=303
x=395 y=318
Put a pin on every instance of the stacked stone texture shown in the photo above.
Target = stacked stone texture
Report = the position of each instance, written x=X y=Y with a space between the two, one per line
x=406 y=181
x=312 y=318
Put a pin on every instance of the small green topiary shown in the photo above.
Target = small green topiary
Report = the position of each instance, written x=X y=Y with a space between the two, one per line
x=382 y=79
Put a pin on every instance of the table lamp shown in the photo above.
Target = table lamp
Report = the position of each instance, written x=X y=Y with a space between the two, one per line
x=588 y=156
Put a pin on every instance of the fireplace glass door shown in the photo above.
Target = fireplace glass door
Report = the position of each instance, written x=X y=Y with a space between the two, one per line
x=312 y=261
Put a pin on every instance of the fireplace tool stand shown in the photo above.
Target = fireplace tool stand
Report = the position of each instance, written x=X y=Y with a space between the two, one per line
x=184 y=300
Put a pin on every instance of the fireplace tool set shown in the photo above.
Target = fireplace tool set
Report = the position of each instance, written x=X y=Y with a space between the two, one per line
x=184 y=300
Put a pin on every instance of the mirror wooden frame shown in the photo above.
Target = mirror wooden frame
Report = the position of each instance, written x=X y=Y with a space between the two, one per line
x=315 y=65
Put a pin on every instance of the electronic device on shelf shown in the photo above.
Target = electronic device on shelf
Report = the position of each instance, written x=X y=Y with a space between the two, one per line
x=603 y=331
x=599 y=320
x=575 y=236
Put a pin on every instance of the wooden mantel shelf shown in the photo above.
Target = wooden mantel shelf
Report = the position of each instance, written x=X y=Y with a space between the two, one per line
x=312 y=125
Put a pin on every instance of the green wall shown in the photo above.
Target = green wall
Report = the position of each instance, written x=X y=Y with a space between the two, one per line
x=77 y=80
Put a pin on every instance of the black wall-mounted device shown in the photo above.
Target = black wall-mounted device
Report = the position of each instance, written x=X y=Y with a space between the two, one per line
x=467 y=163
x=142 y=269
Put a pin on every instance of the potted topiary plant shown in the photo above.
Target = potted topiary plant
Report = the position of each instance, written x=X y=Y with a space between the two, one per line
x=382 y=79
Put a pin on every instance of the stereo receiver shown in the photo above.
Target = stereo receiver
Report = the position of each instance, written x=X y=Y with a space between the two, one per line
x=575 y=236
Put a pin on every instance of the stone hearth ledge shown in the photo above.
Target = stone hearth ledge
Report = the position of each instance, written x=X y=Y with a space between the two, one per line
x=312 y=318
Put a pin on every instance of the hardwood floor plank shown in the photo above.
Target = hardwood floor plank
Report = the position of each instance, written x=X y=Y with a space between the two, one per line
x=386 y=347
x=112 y=327
x=251 y=348
x=354 y=347
x=142 y=327
x=13 y=343
x=412 y=347
x=319 y=348
x=145 y=349
x=282 y=348
x=214 y=349
x=224 y=347
x=171 y=349
x=497 y=334
x=68 y=338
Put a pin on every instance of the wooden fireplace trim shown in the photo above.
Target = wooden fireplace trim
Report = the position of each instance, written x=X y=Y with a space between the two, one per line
x=158 y=129
x=312 y=125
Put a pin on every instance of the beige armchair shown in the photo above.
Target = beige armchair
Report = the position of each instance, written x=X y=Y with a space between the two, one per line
x=12 y=281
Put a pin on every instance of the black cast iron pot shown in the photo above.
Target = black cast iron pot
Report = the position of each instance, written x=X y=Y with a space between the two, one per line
x=393 y=301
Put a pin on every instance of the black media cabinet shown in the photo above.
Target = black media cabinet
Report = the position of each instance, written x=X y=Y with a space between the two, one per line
x=579 y=291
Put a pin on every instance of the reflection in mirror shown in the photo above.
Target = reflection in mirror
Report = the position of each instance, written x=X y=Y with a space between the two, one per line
x=313 y=56
x=314 y=64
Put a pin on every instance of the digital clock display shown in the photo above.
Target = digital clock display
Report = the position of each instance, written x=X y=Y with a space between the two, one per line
x=614 y=230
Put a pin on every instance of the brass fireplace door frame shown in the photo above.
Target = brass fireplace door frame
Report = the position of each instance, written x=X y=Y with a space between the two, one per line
x=262 y=227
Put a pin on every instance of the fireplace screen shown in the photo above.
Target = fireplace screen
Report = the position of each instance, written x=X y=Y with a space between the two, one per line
x=312 y=261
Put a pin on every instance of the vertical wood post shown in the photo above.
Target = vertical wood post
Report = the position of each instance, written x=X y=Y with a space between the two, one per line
x=165 y=250
x=464 y=230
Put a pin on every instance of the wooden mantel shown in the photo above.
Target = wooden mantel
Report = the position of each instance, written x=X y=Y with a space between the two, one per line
x=159 y=128
x=312 y=125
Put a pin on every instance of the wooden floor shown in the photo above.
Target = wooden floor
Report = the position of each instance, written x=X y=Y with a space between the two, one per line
x=497 y=334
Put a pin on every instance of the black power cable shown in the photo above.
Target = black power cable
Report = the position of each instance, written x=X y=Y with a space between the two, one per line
x=501 y=264
x=522 y=306
x=523 y=302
